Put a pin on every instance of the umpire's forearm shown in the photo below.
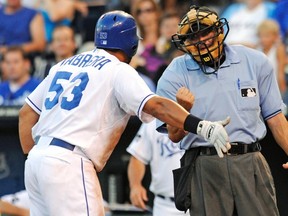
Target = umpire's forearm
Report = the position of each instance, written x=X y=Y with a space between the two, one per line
x=175 y=134
x=279 y=127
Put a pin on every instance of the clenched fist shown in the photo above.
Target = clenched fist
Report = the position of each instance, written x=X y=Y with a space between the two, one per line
x=185 y=98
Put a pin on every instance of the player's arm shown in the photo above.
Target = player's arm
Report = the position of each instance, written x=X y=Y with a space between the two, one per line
x=27 y=119
x=169 y=112
x=186 y=99
x=279 y=127
x=136 y=172
x=173 y=114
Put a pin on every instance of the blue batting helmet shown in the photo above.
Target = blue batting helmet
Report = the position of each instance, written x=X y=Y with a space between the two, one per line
x=117 y=30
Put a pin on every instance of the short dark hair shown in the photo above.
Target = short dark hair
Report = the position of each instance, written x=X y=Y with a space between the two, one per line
x=15 y=49
x=61 y=26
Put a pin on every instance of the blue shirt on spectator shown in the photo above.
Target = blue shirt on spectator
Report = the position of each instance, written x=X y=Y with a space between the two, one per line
x=17 y=98
x=15 y=28
x=281 y=16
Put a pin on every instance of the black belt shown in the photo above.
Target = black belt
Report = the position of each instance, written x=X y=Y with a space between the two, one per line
x=63 y=144
x=166 y=198
x=236 y=149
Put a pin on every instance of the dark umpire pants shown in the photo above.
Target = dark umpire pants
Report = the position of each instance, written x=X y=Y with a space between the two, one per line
x=235 y=183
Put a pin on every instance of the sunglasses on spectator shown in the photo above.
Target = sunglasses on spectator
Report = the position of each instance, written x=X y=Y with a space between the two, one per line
x=147 y=10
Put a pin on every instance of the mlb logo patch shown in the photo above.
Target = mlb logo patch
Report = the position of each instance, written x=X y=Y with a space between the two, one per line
x=248 y=92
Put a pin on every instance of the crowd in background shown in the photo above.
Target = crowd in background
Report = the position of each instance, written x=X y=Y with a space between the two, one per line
x=36 y=34
x=52 y=30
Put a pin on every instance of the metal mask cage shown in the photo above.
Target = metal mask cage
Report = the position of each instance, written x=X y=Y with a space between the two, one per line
x=218 y=27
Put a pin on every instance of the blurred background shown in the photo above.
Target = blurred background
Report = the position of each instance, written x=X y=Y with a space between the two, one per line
x=52 y=30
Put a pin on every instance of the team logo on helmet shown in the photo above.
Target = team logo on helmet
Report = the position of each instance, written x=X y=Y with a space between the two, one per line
x=103 y=38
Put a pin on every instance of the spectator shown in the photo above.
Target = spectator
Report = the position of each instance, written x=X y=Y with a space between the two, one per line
x=63 y=46
x=147 y=60
x=60 y=12
x=95 y=8
x=168 y=27
x=270 y=43
x=19 y=83
x=181 y=6
x=244 y=19
x=281 y=16
x=21 y=26
x=2 y=69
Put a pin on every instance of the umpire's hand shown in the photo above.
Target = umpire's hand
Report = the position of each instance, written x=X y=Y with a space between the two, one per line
x=185 y=98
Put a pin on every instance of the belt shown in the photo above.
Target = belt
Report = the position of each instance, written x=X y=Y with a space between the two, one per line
x=166 y=198
x=236 y=149
x=63 y=144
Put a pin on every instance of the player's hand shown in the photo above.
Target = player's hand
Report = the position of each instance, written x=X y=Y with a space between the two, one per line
x=138 y=196
x=285 y=166
x=185 y=98
x=215 y=133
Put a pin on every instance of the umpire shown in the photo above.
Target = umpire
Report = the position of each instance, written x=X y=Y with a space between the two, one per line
x=226 y=80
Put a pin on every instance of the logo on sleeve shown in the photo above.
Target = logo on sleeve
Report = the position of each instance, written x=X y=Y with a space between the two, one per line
x=248 y=92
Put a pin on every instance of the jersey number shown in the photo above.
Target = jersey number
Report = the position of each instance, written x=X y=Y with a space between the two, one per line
x=58 y=88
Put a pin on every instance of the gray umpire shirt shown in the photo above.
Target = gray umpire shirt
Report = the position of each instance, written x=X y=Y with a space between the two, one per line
x=244 y=88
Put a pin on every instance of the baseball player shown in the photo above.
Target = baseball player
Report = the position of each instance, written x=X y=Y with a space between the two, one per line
x=221 y=77
x=77 y=114
x=156 y=149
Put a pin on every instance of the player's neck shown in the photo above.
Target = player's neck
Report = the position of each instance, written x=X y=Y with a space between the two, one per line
x=119 y=55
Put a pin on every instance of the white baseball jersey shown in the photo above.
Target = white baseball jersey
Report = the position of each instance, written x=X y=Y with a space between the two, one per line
x=86 y=100
x=156 y=149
